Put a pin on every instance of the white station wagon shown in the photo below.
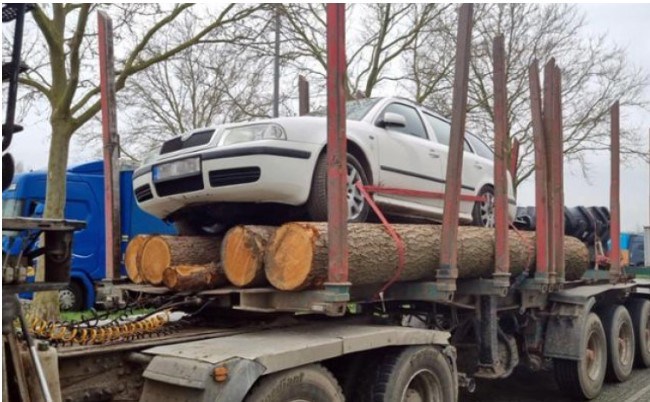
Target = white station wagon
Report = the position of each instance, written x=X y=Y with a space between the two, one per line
x=273 y=170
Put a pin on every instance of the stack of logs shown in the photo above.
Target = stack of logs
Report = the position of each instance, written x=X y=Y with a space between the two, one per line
x=294 y=256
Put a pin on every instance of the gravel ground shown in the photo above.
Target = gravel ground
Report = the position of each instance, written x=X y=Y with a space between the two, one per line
x=526 y=386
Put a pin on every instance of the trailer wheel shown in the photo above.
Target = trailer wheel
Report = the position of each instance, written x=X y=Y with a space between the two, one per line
x=620 y=343
x=584 y=378
x=313 y=383
x=640 y=312
x=416 y=373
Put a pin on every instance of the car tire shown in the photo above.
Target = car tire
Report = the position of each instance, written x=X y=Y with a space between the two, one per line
x=71 y=298
x=317 y=202
x=483 y=212
x=619 y=332
x=309 y=383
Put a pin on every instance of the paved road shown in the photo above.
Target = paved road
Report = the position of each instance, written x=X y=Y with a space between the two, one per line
x=525 y=386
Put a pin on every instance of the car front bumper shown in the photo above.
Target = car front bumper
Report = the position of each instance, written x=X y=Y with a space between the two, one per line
x=261 y=172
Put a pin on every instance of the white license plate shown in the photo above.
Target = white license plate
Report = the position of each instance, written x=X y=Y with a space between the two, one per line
x=176 y=169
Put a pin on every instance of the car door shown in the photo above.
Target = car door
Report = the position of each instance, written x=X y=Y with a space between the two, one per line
x=407 y=160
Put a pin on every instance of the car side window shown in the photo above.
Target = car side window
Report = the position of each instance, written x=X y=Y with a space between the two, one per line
x=481 y=148
x=414 y=125
x=440 y=127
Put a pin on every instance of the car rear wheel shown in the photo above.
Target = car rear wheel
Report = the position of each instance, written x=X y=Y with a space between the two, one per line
x=358 y=208
x=483 y=212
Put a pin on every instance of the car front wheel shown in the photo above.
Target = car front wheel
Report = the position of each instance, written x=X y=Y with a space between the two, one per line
x=358 y=208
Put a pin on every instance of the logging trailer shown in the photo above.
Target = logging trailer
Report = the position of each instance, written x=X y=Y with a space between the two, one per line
x=417 y=340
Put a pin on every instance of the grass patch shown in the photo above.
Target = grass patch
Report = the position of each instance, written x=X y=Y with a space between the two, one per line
x=86 y=314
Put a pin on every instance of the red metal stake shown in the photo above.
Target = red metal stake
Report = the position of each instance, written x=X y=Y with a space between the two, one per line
x=303 y=95
x=514 y=159
x=336 y=146
x=551 y=155
x=557 y=170
x=448 y=271
x=614 y=198
x=111 y=148
x=502 y=255
x=541 y=196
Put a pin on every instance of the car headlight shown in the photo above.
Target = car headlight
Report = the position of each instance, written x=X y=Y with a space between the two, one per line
x=255 y=132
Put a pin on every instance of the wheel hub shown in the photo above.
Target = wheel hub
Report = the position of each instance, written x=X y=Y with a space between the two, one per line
x=67 y=299
x=487 y=210
x=423 y=386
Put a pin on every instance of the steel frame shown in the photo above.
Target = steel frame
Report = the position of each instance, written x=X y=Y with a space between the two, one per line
x=614 y=196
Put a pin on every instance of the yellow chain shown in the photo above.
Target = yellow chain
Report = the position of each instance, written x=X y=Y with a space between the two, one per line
x=87 y=335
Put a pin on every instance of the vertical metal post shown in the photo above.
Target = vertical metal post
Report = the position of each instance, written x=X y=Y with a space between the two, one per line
x=448 y=271
x=502 y=255
x=336 y=146
x=551 y=148
x=557 y=170
x=541 y=196
x=276 y=65
x=303 y=95
x=489 y=327
x=111 y=148
x=614 y=197
x=8 y=126
x=514 y=159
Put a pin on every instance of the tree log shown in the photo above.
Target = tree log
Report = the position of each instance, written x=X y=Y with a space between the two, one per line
x=161 y=252
x=242 y=254
x=297 y=255
x=182 y=278
x=133 y=258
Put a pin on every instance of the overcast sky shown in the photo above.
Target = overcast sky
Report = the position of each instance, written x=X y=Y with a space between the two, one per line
x=625 y=24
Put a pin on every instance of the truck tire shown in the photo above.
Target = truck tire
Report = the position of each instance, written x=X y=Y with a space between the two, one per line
x=584 y=378
x=317 y=203
x=418 y=373
x=313 y=383
x=619 y=333
x=640 y=313
x=71 y=298
x=483 y=212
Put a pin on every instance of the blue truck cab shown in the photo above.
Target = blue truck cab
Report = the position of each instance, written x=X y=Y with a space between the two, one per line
x=85 y=202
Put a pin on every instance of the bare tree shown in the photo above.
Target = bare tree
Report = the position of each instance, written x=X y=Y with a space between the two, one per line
x=64 y=72
x=377 y=36
x=594 y=75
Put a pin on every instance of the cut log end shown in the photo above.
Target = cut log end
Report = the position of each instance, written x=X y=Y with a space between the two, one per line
x=242 y=257
x=289 y=258
x=156 y=256
x=192 y=277
x=132 y=258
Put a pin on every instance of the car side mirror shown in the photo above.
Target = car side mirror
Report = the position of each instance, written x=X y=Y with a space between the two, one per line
x=393 y=119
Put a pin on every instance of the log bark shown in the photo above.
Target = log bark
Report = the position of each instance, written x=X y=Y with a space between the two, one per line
x=133 y=258
x=242 y=254
x=182 y=278
x=297 y=255
x=161 y=252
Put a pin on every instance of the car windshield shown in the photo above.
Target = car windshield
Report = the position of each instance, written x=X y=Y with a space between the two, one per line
x=354 y=109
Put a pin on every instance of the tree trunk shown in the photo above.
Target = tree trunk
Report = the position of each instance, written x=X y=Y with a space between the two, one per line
x=46 y=304
x=133 y=258
x=161 y=252
x=242 y=254
x=297 y=255
x=183 y=278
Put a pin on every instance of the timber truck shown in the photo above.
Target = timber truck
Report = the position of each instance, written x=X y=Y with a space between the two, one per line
x=316 y=330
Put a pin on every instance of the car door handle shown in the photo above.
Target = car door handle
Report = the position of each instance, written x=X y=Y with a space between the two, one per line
x=478 y=166
x=434 y=154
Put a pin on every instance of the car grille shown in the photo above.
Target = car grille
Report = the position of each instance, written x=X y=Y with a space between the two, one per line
x=179 y=186
x=143 y=193
x=194 y=140
x=229 y=177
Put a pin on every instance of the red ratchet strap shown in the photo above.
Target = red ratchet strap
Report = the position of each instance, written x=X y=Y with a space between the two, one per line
x=401 y=251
